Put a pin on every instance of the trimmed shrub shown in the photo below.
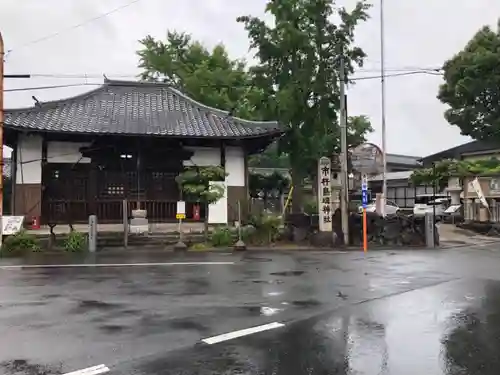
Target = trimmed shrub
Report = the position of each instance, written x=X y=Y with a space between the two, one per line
x=221 y=237
x=267 y=229
x=20 y=244
x=75 y=243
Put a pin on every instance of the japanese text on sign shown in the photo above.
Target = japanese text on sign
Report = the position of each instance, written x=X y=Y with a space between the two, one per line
x=181 y=210
x=324 y=195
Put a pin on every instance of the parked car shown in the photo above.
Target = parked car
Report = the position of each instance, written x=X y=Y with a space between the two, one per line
x=391 y=208
x=431 y=203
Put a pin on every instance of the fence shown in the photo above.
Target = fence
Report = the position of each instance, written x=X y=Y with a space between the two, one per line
x=111 y=211
x=475 y=211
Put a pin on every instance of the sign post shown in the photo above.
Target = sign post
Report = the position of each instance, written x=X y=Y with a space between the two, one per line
x=324 y=195
x=364 y=198
x=180 y=215
x=368 y=159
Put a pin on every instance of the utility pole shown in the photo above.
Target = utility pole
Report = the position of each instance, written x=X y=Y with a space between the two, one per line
x=382 y=88
x=2 y=55
x=344 y=196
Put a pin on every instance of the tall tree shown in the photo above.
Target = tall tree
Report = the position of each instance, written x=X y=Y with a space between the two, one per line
x=298 y=71
x=472 y=86
x=358 y=128
x=210 y=77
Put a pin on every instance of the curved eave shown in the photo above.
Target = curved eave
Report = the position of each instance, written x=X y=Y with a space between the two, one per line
x=116 y=83
x=272 y=134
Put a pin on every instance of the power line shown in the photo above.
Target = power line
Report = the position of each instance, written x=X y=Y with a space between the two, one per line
x=131 y=75
x=361 y=78
x=81 y=75
x=76 y=26
x=432 y=73
x=51 y=87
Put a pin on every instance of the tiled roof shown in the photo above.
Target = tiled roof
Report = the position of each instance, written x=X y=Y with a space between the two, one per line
x=135 y=108
x=411 y=161
x=481 y=146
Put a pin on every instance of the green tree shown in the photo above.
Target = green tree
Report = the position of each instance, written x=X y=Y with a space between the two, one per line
x=299 y=58
x=442 y=170
x=267 y=186
x=271 y=157
x=210 y=77
x=197 y=185
x=472 y=86
x=358 y=127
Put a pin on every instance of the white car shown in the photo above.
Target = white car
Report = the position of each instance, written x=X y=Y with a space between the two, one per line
x=432 y=204
x=391 y=208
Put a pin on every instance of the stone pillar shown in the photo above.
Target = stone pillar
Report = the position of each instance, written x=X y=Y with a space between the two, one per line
x=139 y=223
x=454 y=188
x=469 y=209
x=483 y=214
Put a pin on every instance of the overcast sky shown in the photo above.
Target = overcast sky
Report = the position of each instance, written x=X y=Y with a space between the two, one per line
x=419 y=34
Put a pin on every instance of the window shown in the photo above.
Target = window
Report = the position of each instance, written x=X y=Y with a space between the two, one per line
x=495 y=184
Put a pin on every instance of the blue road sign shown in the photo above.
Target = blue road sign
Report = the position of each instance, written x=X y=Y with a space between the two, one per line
x=364 y=198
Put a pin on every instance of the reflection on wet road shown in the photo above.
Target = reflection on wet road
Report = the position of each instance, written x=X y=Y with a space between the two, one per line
x=436 y=330
x=423 y=312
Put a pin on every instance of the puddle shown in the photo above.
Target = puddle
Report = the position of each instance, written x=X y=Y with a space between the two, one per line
x=112 y=328
x=255 y=259
x=269 y=311
x=306 y=303
x=188 y=325
x=288 y=273
x=22 y=366
x=273 y=294
x=262 y=310
x=89 y=305
x=267 y=281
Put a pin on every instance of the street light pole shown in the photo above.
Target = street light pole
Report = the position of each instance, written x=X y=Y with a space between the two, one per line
x=2 y=55
x=382 y=87
x=344 y=197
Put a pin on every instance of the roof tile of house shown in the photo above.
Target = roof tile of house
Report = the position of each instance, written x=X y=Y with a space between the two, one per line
x=136 y=108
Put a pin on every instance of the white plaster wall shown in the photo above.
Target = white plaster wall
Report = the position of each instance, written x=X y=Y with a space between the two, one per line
x=29 y=159
x=235 y=166
x=203 y=157
x=66 y=152
x=217 y=212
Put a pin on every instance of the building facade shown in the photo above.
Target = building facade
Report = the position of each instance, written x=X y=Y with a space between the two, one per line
x=126 y=141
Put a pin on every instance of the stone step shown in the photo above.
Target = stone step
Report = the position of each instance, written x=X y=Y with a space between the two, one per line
x=113 y=239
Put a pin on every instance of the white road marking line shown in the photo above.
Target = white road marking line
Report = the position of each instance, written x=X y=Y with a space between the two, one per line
x=101 y=369
x=20 y=266
x=240 y=333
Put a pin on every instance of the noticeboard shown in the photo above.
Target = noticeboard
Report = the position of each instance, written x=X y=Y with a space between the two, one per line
x=11 y=224
x=367 y=159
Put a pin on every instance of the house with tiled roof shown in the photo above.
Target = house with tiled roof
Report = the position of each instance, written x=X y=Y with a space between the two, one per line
x=126 y=141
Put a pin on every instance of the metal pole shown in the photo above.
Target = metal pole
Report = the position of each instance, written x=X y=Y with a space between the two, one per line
x=382 y=83
x=434 y=203
x=343 y=149
x=2 y=55
x=239 y=220
x=125 y=223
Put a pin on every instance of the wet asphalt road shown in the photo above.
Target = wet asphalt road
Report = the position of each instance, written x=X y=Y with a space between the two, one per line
x=418 y=312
